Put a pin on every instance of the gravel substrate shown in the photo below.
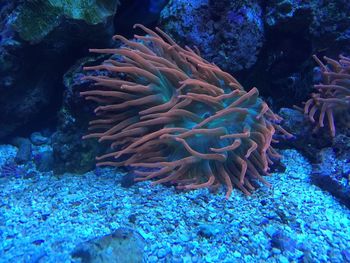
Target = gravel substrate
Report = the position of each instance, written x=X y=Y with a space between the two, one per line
x=43 y=218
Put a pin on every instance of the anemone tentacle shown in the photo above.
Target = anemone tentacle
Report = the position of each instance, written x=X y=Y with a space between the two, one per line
x=333 y=94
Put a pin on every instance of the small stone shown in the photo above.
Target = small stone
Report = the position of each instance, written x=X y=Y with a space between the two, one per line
x=37 y=139
x=283 y=259
x=208 y=230
x=161 y=253
x=152 y=259
x=276 y=251
x=314 y=226
x=236 y=254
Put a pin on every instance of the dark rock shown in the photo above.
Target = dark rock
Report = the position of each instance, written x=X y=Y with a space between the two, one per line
x=38 y=139
x=44 y=161
x=128 y=180
x=283 y=242
x=209 y=230
x=38 y=242
x=24 y=153
x=277 y=167
x=123 y=245
x=263 y=202
x=341 y=144
x=295 y=122
x=330 y=28
x=44 y=217
x=346 y=255
x=283 y=71
x=130 y=13
x=132 y=218
x=305 y=140
x=294 y=31
x=227 y=33
x=332 y=174
x=294 y=14
x=71 y=152
x=330 y=156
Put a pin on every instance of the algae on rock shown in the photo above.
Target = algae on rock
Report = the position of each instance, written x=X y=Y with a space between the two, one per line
x=36 y=19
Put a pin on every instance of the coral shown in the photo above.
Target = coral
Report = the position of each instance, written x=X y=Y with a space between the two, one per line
x=333 y=95
x=179 y=119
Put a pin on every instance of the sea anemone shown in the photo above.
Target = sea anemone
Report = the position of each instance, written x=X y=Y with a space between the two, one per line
x=176 y=118
x=333 y=95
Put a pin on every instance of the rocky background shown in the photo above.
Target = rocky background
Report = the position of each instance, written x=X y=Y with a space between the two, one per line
x=265 y=44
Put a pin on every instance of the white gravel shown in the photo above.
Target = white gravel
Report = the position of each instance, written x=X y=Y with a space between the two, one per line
x=43 y=218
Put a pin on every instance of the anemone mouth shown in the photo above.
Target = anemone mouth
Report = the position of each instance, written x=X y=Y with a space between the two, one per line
x=182 y=117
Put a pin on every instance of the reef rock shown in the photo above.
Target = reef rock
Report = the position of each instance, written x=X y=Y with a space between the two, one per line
x=39 y=41
x=227 y=33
